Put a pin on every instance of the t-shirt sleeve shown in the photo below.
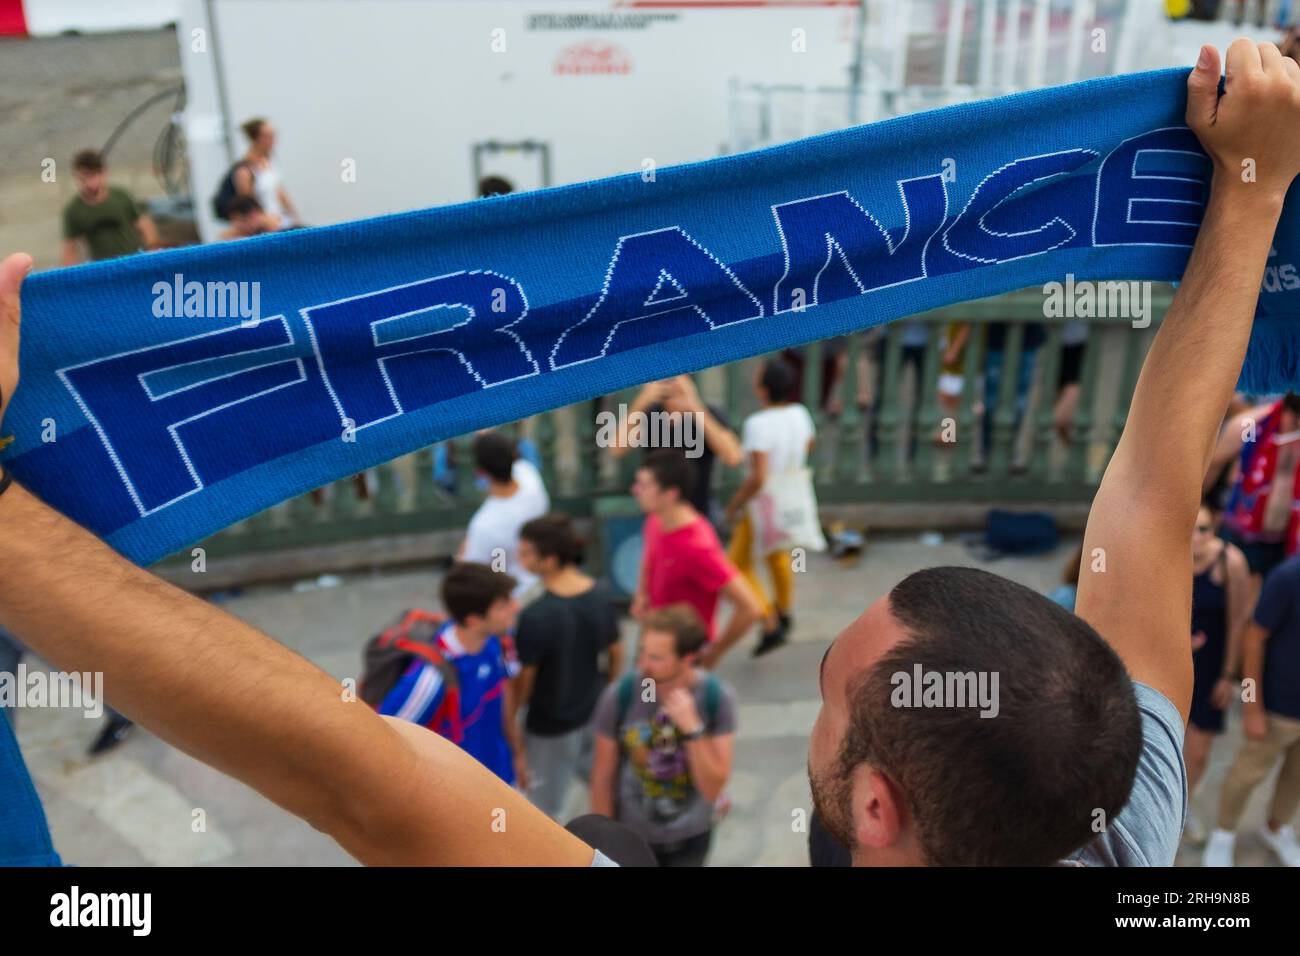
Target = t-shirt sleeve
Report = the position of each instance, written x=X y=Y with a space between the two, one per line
x=610 y=636
x=71 y=228
x=1146 y=832
x=1275 y=599
x=809 y=424
x=756 y=436
x=527 y=635
x=477 y=542
x=604 y=718
x=712 y=569
x=724 y=722
x=510 y=657
x=129 y=205
x=649 y=540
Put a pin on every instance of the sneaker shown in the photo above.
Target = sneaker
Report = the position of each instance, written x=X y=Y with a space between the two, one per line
x=1283 y=843
x=1218 y=851
x=1194 y=829
x=116 y=729
x=771 y=640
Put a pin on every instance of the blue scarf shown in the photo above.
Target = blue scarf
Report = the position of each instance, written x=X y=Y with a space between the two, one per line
x=166 y=396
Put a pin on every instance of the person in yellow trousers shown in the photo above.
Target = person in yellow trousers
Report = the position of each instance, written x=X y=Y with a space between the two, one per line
x=776 y=441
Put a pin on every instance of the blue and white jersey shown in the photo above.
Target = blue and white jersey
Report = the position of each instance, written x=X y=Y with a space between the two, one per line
x=472 y=714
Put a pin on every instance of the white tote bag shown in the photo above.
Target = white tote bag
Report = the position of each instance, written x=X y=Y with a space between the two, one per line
x=783 y=515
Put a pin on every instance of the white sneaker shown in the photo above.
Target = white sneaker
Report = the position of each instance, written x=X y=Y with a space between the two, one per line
x=1283 y=843
x=1218 y=850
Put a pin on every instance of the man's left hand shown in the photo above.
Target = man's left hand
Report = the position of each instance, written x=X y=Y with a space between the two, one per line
x=12 y=272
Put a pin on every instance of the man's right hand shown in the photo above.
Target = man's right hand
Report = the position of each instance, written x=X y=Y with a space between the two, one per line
x=652 y=393
x=640 y=606
x=1250 y=133
x=1254 y=723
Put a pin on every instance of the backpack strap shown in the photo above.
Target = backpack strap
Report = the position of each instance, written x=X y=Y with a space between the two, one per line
x=399 y=637
x=712 y=696
x=626 y=688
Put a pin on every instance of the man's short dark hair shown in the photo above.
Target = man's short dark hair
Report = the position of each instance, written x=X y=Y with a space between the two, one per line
x=494 y=186
x=242 y=206
x=494 y=455
x=1291 y=402
x=470 y=588
x=779 y=380
x=671 y=469
x=553 y=536
x=681 y=621
x=88 y=161
x=1025 y=787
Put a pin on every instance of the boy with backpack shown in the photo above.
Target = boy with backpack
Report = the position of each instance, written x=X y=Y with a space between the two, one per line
x=453 y=674
x=665 y=738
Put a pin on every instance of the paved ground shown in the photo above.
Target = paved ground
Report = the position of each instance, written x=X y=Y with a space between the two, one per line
x=139 y=804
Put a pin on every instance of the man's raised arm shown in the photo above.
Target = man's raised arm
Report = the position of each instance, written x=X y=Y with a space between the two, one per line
x=389 y=792
x=1136 y=578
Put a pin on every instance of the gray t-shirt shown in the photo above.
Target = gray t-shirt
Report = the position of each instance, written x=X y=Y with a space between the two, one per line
x=1146 y=832
x=654 y=794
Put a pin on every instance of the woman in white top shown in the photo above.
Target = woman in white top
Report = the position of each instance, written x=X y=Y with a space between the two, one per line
x=258 y=176
x=776 y=441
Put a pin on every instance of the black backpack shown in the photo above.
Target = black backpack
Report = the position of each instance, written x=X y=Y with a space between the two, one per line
x=226 y=192
x=389 y=654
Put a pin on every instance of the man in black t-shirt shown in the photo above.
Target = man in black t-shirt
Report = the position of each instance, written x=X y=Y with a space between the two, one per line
x=560 y=638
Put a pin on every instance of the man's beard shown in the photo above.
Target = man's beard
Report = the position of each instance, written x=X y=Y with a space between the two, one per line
x=832 y=802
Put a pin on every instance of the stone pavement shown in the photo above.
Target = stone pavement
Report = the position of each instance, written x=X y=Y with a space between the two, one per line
x=137 y=804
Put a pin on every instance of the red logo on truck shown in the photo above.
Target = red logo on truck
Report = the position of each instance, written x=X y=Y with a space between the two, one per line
x=592 y=56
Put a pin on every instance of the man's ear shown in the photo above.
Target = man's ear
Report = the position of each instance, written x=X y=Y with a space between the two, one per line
x=879 y=810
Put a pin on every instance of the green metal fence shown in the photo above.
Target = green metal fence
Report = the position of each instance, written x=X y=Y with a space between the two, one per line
x=1026 y=459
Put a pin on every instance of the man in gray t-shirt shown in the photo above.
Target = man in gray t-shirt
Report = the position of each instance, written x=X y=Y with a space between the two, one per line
x=1146 y=832
x=664 y=736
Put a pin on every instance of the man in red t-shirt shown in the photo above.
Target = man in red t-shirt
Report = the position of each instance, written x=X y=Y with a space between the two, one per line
x=683 y=561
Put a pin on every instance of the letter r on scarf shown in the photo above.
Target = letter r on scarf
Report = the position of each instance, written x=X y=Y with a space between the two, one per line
x=415 y=345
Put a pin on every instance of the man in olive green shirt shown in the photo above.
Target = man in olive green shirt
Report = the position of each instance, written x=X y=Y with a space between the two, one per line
x=104 y=217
